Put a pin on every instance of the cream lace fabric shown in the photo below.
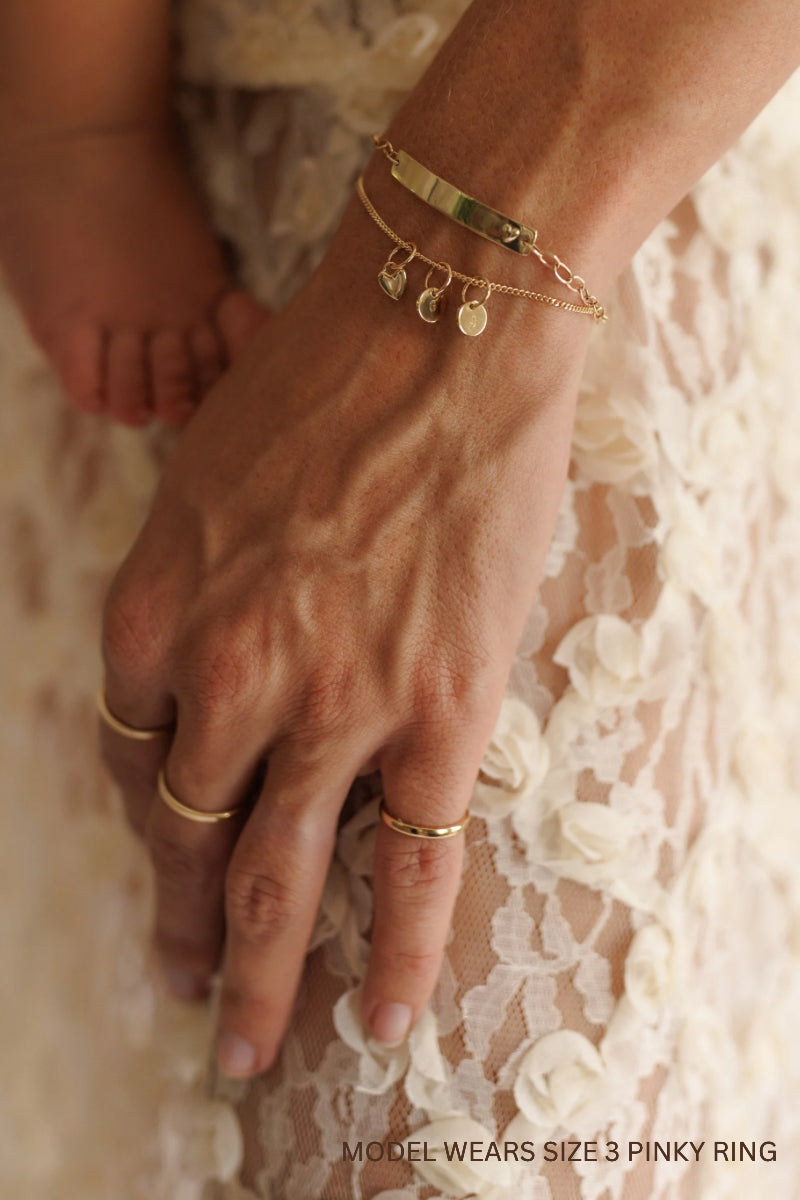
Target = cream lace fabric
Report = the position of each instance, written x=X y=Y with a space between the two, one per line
x=625 y=957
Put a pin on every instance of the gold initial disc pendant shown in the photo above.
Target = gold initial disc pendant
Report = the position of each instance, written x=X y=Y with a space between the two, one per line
x=472 y=315
x=472 y=318
x=430 y=305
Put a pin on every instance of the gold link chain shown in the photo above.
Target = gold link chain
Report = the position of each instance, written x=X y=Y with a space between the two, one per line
x=553 y=263
x=598 y=312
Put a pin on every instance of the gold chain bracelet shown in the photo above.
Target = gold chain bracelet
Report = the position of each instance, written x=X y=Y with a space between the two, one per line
x=472 y=314
x=487 y=222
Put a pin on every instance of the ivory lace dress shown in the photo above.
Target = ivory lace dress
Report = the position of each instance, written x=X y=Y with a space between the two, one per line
x=624 y=963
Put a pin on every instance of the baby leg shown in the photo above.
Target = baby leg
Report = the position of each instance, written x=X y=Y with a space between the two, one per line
x=102 y=238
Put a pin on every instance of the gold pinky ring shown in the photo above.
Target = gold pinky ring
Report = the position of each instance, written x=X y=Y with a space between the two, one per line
x=421 y=831
x=123 y=728
x=193 y=814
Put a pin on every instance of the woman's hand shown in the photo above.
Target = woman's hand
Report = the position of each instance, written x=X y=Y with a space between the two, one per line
x=341 y=556
x=334 y=576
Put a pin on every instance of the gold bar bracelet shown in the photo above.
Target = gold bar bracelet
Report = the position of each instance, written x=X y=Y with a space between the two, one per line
x=481 y=218
x=450 y=200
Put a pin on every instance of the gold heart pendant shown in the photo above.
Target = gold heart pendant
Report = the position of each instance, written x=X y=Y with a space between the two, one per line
x=393 y=282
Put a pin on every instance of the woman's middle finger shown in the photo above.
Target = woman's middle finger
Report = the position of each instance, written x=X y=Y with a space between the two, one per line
x=273 y=890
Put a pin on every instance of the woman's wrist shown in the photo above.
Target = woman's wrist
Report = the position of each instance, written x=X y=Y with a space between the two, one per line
x=588 y=124
x=563 y=228
x=521 y=334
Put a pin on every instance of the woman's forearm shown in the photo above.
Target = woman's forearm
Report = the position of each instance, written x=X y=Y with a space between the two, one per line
x=589 y=119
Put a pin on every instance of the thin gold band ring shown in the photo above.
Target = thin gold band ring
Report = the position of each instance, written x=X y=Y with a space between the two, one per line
x=421 y=831
x=133 y=732
x=193 y=814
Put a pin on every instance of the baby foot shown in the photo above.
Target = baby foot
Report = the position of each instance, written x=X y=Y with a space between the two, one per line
x=105 y=245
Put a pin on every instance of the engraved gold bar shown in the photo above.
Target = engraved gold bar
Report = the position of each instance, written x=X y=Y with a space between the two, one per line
x=449 y=200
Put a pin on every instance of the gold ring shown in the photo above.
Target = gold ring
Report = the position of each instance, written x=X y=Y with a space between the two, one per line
x=123 y=728
x=421 y=831
x=194 y=814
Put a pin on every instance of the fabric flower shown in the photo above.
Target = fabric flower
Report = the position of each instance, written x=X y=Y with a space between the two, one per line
x=563 y=829
x=613 y=438
x=563 y=539
x=612 y=664
x=721 y=444
x=404 y=48
x=650 y=275
x=631 y=1047
x=730 y=204
x=487 y=1177
x=602 y=845
x=515 y=762
x=690 y=554
x=648 y=969
x=379 y=1066
x=345 y=910
x=759 y=758
x=605 y=659
x=340 y=918
x=560 y=1081
x=598 y=832
x=728 y=652
x=530 y=821
x=427 y=1080
x=704 y=1052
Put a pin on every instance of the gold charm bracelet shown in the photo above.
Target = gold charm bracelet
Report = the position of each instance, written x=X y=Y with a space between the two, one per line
x=472 y=314
x=487 y=222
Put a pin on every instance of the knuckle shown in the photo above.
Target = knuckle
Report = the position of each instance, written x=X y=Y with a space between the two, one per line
x=297 y=805
x=260 y=906
x=417 y=869
x=132 y=633
x=446 y=693
x=220 y=668
x=394 y=961
x=327 y=696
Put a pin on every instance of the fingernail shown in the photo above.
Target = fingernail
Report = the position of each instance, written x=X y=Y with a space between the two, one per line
x=183 y=985
x=390 y=1023
x=235 y=1056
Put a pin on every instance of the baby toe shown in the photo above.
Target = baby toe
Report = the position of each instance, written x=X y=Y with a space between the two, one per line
x=128 y=377
x=79 y=356
x=238 y=316
x=172 y=372
x=208 y=355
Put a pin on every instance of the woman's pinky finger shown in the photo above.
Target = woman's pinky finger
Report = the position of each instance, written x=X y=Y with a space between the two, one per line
x=415 y=883
x=134 y=745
